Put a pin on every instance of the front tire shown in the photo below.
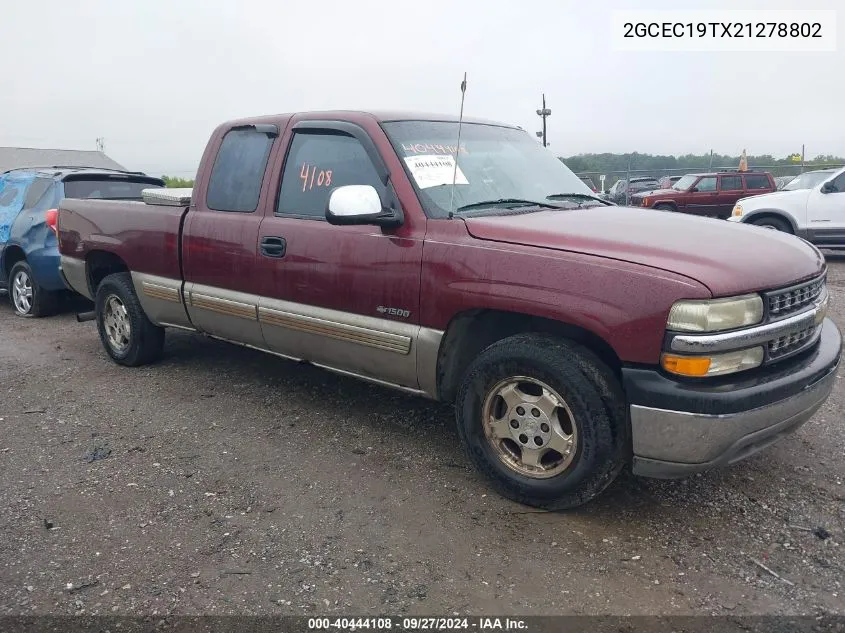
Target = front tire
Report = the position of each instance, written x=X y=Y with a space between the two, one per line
x=664 y=207
x=544 y=419
x=776 y=224
x=28 y=298
x=128 y=336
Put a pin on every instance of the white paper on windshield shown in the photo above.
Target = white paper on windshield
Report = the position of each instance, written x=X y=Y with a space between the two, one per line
x=430 y=170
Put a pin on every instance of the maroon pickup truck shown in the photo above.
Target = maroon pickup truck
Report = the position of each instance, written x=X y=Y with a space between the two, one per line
x=574 y=337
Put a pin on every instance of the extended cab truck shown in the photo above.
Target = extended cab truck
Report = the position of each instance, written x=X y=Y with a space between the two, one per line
x=573 y=336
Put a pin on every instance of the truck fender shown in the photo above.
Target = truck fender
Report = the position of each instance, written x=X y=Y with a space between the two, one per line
x=671 y=201
x=748 y=218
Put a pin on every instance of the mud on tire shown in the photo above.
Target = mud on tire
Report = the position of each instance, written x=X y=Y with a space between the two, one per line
x=594 y=403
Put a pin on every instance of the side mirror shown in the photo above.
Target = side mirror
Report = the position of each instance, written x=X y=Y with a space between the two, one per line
x=360 y=204
x=828 y=187
x=694 y=190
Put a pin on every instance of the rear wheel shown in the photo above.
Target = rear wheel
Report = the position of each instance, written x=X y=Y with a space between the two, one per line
x=544 y=419
x=776 y=224
x=129 y=337
x=27 y=297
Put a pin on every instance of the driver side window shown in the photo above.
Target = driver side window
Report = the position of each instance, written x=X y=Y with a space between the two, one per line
x=317 y=163
x=838 y=183
x=706 y=184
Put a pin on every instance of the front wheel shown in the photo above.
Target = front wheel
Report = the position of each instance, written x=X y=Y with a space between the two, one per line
x=775 y=224
x=664 y=207
x=28 y=298
x=129 y=337
x=544 y=419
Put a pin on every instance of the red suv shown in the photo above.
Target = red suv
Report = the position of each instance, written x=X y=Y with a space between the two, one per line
x=713 y=194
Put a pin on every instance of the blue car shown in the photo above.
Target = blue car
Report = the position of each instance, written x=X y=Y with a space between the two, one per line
x=29 y=255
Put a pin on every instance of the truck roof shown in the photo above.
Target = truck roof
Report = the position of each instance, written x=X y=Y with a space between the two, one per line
x=382 y=116
x=727 y=172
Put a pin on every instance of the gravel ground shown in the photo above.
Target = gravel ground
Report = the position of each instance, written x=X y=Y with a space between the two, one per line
x=225 y=481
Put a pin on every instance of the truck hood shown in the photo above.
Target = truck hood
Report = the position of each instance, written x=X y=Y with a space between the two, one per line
x=728 y=258
x=655 y=192
x=778 y=199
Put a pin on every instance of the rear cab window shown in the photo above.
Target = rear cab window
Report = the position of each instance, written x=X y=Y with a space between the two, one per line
x=235 y=182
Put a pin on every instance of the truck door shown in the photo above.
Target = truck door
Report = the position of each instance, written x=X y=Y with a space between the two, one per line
x=220 y=237
x=826 y=212
x=730 y=190
x=702 y=199
x=346 y=297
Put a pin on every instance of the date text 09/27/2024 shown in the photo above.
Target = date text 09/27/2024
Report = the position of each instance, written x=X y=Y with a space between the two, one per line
x=387 y=623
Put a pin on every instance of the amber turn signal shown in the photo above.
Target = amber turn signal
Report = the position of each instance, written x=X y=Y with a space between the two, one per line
x=686 y=365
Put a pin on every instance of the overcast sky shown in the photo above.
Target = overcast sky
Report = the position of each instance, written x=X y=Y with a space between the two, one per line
x=153 y=77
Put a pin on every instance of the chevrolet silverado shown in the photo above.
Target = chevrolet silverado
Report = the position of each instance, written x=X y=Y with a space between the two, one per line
x=574 y=337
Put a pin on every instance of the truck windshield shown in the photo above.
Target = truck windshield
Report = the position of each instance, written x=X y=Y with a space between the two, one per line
x=109 y=188
x=494 y=163
x=684 y=183
x=807 y=181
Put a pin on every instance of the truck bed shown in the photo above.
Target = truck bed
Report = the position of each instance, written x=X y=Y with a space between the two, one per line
x=144 y=236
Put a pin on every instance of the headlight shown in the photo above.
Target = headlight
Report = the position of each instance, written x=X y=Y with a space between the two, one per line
x=715 y=365
x=715 y=315
x=737 y=212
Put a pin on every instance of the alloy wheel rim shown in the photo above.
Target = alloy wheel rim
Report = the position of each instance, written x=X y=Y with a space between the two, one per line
x=530 y=427
x=22 y=292
x=116 y=324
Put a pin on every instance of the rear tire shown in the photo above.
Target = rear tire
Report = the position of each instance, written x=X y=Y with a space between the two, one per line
x=128 y=336
x=773 y=223
x=544 y=419
x=28 y=298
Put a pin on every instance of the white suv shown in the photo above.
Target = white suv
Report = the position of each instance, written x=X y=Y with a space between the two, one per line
x=811 y=206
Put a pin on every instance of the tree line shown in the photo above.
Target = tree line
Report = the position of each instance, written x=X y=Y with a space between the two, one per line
x=177 y=183
x=609 y=163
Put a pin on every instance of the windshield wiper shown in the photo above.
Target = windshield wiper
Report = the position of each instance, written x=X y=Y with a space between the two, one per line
x=512 y=202
x=577 y=196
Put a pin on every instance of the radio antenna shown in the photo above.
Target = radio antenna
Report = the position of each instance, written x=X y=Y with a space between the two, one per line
x=458 y=148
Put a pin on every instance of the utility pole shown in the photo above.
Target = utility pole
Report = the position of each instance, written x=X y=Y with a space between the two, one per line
x=802 y=158
x=543 y=113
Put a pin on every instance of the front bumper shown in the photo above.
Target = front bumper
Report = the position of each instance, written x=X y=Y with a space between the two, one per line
x=679 y=428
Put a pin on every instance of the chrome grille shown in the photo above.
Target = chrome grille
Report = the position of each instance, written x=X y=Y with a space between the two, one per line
x=789 y=343
x=785 y=302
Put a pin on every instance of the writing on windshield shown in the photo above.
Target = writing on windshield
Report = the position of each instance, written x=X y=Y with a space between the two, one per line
x=494 y=163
